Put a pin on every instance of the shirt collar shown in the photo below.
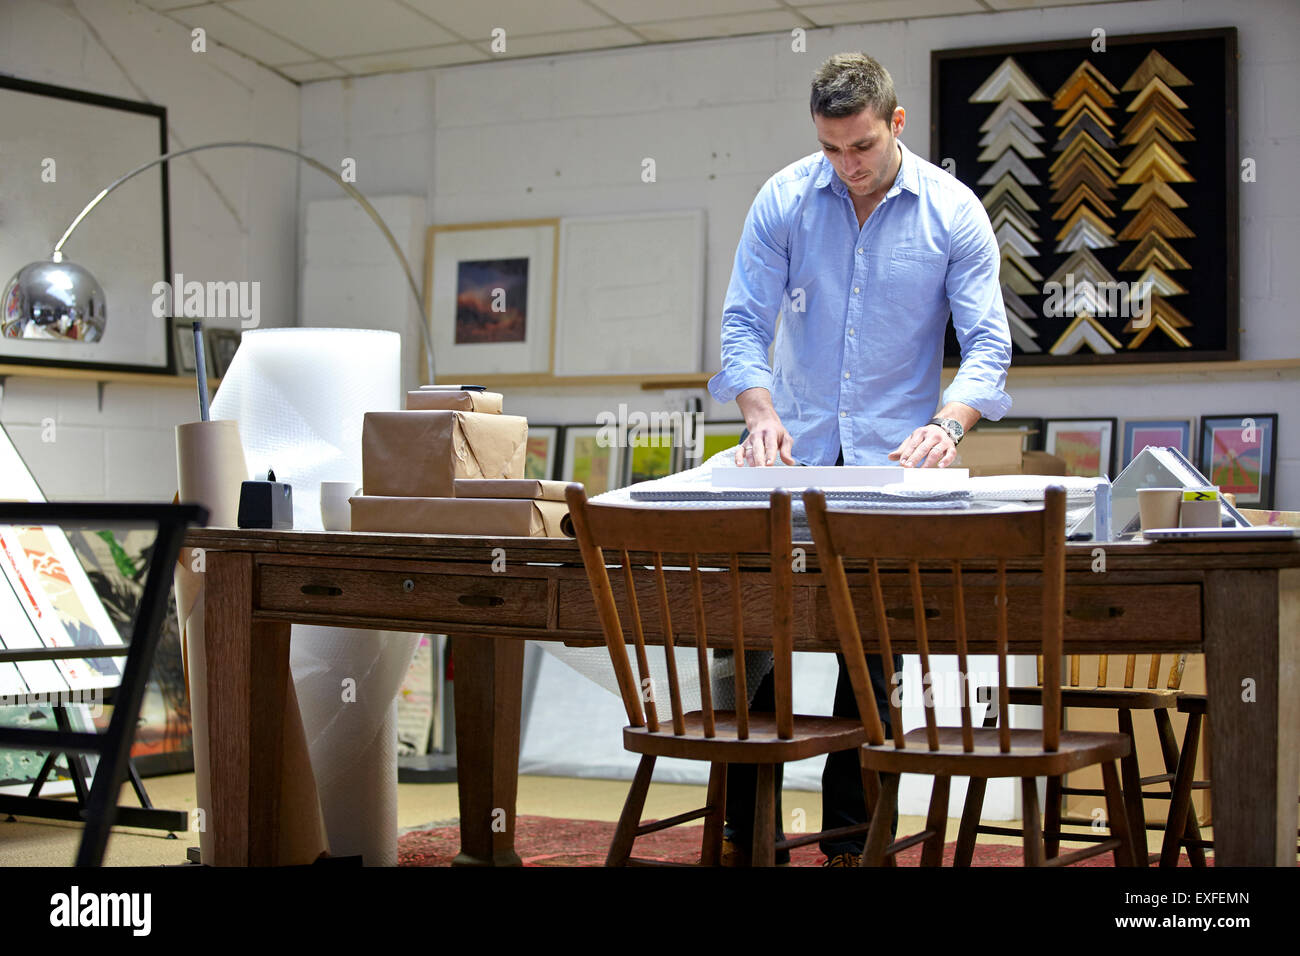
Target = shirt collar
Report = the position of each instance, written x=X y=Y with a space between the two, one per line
x=908 y=177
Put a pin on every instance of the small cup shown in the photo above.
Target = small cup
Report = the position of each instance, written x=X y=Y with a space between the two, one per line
x=335 y=511
x=1200 y=508
x=1158 y=507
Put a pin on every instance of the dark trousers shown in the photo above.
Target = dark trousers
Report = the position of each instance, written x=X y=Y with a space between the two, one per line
x=843 y=803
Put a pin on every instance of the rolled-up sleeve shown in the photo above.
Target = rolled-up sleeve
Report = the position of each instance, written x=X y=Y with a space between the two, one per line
x=758 y=282
x=978 y=315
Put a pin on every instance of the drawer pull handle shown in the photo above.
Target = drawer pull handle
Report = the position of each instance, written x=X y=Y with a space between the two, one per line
x=1093 y=613
x=408 y=585
x=321 y=590
x=481 y=600
x=906 y=613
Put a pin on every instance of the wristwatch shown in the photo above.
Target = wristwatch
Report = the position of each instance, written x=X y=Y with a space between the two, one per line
x=951 y=426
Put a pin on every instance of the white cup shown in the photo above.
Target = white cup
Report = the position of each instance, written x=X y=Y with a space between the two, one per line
x=335 y=511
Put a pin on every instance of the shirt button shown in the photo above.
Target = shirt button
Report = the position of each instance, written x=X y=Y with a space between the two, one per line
x=850 y=331
x=843 y=414
x=859 y=252
x=855 y=290
x=846 y=374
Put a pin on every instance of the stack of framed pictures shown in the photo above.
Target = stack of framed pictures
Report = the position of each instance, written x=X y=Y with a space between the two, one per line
x=1238 y=453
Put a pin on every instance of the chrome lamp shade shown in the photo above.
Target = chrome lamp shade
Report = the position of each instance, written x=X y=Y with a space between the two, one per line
x=57 y=301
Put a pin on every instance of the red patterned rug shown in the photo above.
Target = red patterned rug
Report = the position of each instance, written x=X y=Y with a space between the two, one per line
x=547 y=841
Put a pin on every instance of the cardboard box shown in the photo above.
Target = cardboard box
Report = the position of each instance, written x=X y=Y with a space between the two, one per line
x=420 y=454
x=510 y=488
x=505 y=517
x=991 y=451
x=431 y=400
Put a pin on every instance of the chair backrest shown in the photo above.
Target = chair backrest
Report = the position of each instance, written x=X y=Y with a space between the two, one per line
x=1096 y=671
x=1036 y=537
x=612 y=534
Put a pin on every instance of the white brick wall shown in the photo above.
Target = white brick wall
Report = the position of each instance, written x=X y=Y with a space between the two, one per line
x=233 y=217
x=565 y=135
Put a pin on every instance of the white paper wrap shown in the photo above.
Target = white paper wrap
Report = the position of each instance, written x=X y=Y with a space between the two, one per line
x=299 y=396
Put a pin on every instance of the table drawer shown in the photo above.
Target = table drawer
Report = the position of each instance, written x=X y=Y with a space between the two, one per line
x=1101 y=616
x=402 y=595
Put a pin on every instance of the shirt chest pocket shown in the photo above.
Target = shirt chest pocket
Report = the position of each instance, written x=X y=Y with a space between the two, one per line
x=916 y=278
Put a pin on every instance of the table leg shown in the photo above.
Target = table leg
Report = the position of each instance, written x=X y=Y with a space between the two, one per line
x=248 y=677
x=1252 y=655
x=488 y=684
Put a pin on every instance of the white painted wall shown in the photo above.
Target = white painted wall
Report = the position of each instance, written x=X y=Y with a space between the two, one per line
x=566 y=135
x=233 y=217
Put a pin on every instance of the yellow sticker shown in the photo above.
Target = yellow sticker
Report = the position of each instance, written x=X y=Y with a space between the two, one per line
x=1200 y=494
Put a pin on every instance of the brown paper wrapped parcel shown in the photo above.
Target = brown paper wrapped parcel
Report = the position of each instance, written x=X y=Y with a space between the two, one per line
x=428 y=399
x=505 y=517
x=420 y=454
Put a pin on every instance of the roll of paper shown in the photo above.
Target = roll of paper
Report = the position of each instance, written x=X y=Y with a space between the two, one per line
x=300 y=396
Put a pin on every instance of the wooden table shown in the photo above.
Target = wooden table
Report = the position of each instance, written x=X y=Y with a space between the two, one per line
x=1238 y=602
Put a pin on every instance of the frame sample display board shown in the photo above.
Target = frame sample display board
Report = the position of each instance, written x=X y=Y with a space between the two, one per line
x=1108 y=167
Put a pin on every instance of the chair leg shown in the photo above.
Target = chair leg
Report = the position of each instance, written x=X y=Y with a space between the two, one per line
x=1052 y=818
x=1181 y=825
x=936 y=821
x=764 y=846
x=711 y=847
x=970 y=819
x=882 y=815
x=1117 y=816
x=1137 y=819
x=1033 y=827
x=621 y=847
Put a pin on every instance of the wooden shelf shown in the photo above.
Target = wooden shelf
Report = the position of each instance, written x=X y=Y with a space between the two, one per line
x=105 y=376
x=1017 y=374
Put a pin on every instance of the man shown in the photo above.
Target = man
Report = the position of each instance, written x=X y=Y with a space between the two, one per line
x=864 y=249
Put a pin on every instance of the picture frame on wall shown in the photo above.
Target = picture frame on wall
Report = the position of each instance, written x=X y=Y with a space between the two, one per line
x=1110 y=177
x=125 y=245
x=1238 y=453
x=1162 y=433
x=597 y=466
x=631 y=294
x=491 y=292
x=649 y=454
x=542 y=459
x=1087 y=445
x=221 y=345
x=183 y=347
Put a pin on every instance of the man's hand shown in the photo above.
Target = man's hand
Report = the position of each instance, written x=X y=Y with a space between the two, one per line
x=768 y=438
x=927 y=447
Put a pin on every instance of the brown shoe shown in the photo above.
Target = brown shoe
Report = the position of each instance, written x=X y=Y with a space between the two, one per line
x=844 y=859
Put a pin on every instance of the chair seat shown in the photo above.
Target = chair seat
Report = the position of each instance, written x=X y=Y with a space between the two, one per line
x=1026 y=758
x=812 y=736
x=1192 y=704
x=1113 y=698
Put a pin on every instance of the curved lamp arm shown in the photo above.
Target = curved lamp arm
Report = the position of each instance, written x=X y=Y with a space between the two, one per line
x=315 y=164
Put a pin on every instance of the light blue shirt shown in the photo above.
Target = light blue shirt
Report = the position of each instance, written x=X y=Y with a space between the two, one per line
x=860 y=346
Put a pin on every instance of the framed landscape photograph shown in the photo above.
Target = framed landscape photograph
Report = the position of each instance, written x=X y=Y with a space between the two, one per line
x=1239 y=454
x=586 y=460
x=491 y=290
x=542 y=458
x=649 y=454
x=1172 y=433
x=1086 y=444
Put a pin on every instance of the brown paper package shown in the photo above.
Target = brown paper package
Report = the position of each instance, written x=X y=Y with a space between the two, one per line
x=510 y=488
x=427 y=400
x=420 y=454
x=507 y=517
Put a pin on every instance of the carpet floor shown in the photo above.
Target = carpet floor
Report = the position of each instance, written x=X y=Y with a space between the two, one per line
x=549 y=841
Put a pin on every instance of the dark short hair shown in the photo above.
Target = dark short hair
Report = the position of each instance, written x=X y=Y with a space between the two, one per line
x=848 y=83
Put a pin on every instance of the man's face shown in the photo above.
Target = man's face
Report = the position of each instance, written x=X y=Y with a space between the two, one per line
x=861 y=148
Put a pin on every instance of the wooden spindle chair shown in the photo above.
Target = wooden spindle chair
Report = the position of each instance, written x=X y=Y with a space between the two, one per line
x=980 y=541
x=706 y=538
x=1124 y=684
